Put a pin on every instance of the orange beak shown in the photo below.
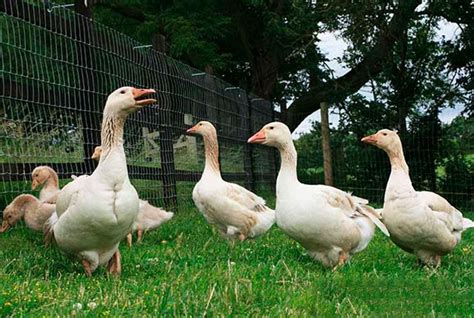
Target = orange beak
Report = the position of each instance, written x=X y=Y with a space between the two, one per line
x=258 y=138
x=192 y=130
x=5 y=226
x=34 y=184
x=370 y=140
x=138 y=94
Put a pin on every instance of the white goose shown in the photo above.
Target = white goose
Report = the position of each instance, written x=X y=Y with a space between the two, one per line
x=48 y=178
x=331 y=224
x=149 y=217
x=422 y=223
x=235 y=211
x=94 y=213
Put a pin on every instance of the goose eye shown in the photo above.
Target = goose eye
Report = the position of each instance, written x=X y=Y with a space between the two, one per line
x=271 y=127
x=122 y=92
x=200 y=124
x=385 y=134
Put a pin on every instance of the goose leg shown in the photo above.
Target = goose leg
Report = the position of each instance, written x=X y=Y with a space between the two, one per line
x=434 y=262
x=342 y=258
x=428 y=258
x=87 y=267
x=115 y=267
x=139 y=235
x=437 y=261
x=129 y=239
x=419 y=262
x=341 y=261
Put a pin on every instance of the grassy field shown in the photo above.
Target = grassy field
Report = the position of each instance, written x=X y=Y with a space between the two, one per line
x=185 y=268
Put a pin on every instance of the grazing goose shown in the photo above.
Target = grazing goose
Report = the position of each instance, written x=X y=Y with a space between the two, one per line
x=149 y=217
x=237 y=212
x=34 y=211
x=331 y=224
x=48 y=178
x=422 y=223
x=96 y=212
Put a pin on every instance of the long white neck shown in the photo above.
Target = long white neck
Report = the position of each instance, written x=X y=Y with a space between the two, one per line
x=112 y=164
x=287 y=173
x=399 y=182
x=211 y=149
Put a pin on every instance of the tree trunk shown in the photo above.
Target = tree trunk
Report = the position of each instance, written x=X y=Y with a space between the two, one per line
x=283 y=110
x=264 y=74
x=158 y=42
x=327 y=162
x=436 y=135
x=371 y=65
x=209 y=69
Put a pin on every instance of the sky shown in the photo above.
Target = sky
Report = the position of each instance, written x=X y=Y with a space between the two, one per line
x=334 y=48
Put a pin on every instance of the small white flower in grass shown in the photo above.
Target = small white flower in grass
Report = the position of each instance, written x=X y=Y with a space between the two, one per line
x=232 y=263
x=92 y=305
x=153 y=260
x=77 y=306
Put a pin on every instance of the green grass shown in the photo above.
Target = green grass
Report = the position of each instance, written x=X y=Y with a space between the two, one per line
x=185 y=268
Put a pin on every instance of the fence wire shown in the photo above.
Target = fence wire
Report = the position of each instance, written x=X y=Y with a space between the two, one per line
x=440 y=157
x=57 y=69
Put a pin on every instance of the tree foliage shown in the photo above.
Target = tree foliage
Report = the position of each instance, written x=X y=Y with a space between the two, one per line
x=409 y=74
x=272 y=48
x=268 y=47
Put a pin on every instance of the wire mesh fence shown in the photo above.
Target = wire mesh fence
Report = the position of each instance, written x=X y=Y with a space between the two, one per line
x=440 y=156
x=57 y=69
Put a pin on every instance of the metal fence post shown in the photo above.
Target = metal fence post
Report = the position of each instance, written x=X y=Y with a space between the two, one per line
x=249 y=175
x=168 y=171
x=167 y=162
x=93 y=61
x=276 y=155
x=85 y=100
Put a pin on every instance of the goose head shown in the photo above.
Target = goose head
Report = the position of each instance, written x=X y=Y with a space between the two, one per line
x=126 y=100
x=203 y=128
x=97 y=153
x=11 y=215
x=273 y=134
x=41 y=175
x=385 y=139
